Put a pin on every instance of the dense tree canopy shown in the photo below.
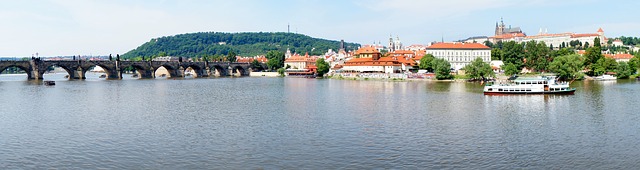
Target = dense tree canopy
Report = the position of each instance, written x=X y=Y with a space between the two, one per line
x=510 y=69
x=442 y=69
x=276 y=59
x=231 y=56
x=628 y=40
x=426 y=62
x=513 y=53
x=245 y=44
x=604 y=65
x=496 y=54
x=479 y=69
x=567 y=67
x=561 y=52
x=623 y=71
x=592 y=56
x=537 y=55
x=634 y=64
x=323 y=67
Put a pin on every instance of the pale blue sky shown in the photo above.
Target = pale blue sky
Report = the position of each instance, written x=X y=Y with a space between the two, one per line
x=102 y=27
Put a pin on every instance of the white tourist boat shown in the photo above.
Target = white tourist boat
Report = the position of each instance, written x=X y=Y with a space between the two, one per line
x=605 y=77
x=529 y=85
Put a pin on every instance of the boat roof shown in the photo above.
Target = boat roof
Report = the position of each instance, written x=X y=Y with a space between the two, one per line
x=534 y=78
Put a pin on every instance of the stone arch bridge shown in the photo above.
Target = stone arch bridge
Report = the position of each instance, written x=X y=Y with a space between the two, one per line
x=76 y=69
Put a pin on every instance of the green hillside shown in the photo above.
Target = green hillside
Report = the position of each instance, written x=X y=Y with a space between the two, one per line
x=244 y=44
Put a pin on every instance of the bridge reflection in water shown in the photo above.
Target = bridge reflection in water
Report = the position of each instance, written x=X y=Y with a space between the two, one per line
x=113 y=69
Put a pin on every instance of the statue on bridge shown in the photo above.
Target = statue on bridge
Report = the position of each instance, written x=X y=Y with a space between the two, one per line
x=110 y=57
x=117 y=57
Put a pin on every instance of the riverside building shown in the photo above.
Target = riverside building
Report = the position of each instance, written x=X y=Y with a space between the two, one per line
x=460 y=54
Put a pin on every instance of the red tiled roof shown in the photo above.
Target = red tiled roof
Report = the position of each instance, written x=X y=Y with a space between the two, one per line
x=384 y=61
x=299 y=58
x=549 y=35
x=261 y=59
x=600 y=30
x=619 y=56
x=584 y=35
x=508 y=36
x=417 y=58
x=458 y=46
x=360 y=59
x=367 y=50
x=402 y=52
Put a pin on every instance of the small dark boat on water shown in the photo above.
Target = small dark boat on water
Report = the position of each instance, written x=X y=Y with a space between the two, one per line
x=49 y=83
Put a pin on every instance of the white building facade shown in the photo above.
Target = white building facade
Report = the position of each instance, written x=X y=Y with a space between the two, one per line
x=460 y=54
x=556 y=40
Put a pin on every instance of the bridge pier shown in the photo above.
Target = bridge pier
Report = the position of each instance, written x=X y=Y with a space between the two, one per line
x=200 y=73
x=77 y=74
x=113 y=74
x=180 y=72
x=146 y=74
x=35 y=70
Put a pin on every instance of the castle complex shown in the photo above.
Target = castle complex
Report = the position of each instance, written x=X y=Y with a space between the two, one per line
x=502 y=29
x=555 y=40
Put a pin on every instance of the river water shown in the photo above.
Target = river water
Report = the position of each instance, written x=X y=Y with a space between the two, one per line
x=294 y=123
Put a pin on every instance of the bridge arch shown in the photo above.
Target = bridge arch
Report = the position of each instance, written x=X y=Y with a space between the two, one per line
x=239 y=71
x=139 y=71
x=25 y=69
x=218 y=70
x=72 y=71
x=107 y=70
x=172 y=71
x=198 y=71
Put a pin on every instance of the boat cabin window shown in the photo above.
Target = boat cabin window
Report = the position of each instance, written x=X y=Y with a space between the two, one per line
x=490 y=89
x=499 y=89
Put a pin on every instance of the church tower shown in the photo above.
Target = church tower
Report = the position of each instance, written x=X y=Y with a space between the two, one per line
x=500 y=27
x=497 y=29
x=391 y=44
x=397 y=43
x=287 y=54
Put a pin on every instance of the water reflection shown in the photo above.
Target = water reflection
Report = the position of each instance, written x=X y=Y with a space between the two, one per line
x=439 y=86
